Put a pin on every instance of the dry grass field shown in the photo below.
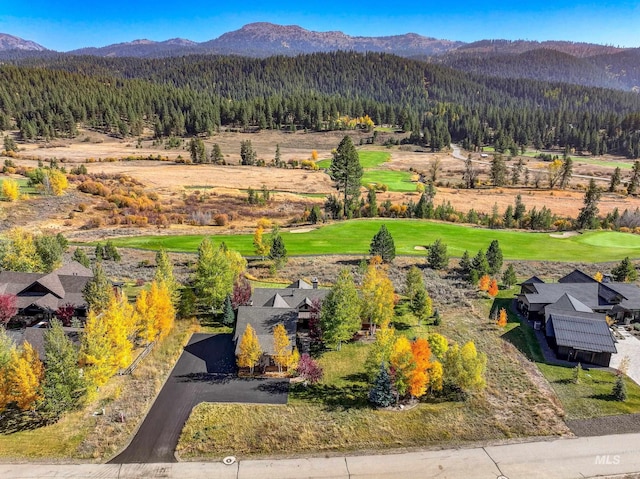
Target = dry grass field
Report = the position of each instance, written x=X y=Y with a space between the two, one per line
x=225 y=186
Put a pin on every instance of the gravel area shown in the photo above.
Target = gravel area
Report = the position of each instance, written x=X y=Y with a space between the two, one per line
x=604 y=426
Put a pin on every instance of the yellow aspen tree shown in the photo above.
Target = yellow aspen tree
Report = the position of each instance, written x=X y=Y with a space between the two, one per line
x=165 y=313
x=261 y=247
x=314 y=155
x=380 y=351
x=96 y=353
x=502 y=318
x=435 y=378
x=145 y=319
x=402 y=363
x=58 y=182
x=294 y=359
x=250 y=350
x=378 y=295
x=120 y=327
x=24 y=378
x=473 y=365
x=237 y=263
x=282 y=347
x=598 y=277
x=10 y=189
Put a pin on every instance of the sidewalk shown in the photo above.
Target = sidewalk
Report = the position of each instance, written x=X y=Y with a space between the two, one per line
x=552 y=459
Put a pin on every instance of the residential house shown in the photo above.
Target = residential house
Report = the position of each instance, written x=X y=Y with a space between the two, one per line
x=291 y=306
x=573 y=314
x=39 y=295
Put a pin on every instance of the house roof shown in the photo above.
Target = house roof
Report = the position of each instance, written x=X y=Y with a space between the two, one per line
x=577 y=276
x=292 y=296
x=630 y=294
x=300 y=284
x=549 y=293
x=277 y=301
x=264 y=320
x=532 y=280
x=35 y=337
x=48 y=290
x=569 y=303
x=586 y=334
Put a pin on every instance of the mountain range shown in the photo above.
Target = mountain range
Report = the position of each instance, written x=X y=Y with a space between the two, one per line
x=581 y=63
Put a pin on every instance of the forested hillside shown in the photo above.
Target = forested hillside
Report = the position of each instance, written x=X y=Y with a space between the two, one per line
x=198 y=94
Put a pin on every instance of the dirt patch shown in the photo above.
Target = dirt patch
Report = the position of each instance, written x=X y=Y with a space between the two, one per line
x=302 y=230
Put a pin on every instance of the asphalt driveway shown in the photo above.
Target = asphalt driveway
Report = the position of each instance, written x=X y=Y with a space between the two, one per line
x=205 y=372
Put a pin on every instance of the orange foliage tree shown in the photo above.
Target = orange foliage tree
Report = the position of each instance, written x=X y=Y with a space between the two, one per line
x=502 y=318
x=493 y=288
x=484 y=282
x=420 y=374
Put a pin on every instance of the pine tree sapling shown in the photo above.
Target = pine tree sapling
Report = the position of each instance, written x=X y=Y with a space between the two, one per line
x=381 y=394
x=619 y=391
x=228 y=316
x=437 y=257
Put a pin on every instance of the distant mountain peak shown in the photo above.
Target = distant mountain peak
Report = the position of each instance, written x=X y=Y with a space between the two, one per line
x=9 y=42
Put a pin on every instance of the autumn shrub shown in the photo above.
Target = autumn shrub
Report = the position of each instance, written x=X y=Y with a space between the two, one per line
x=221 y=219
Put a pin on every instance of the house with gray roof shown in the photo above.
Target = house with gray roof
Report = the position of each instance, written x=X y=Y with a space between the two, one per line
x=291 y=306
x=39 y=295
x=573 y=314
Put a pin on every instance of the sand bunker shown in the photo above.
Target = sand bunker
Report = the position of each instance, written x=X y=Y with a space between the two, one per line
x=565 y=234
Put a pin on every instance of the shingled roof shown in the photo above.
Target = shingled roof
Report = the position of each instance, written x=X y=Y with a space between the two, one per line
x=264 y=320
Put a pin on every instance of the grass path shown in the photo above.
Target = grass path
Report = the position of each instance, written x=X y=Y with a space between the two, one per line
x=354 y=237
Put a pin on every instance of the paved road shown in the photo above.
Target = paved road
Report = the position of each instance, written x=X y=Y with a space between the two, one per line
x=604 y=456
x=205 y=372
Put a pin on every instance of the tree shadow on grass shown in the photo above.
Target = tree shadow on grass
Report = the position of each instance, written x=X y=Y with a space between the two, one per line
x=333 y=397
x=603 y=397
x=13 y=420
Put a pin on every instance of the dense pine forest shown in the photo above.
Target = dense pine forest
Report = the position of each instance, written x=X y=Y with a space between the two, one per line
x=193 y=95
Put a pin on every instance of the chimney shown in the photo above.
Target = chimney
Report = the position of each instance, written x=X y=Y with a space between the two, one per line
x=314 y=282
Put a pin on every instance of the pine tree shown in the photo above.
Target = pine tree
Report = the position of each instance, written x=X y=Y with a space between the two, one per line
x=494 y=258
x=480 y=265
x=413 y=282
x=465 y=265
x=437 y=257
x=588 y=215
x=632 y=186
x=381 y=394
x=625 y=271
x=98 y=291
x=509 y=277
x=228 y=316
x=421 y=305
x=217 y=158
x=619 y=391
x=278 y=251
x=247 y=153
x=346 y=171
x=616 y=178
x=373 y=203
x=498 y=170
x=382 y=245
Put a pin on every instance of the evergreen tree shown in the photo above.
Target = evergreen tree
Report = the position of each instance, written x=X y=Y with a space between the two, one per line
x=632 y=186
x=278 y=251
x=111 y=252
x=566 y=172
x=315 y=216
x=277 y=159
x=63 y=386
x=619 y=391
x=509 y=277
x=98 y=291
x=81 y=257
x=346 y=171
x=480 y=265
x=421 y=305
x=197 y=150
x=616 y=178
x=465 y=265
x=625 y=271
x=494 y=258
x=372 y=201
x=498 y=170
x=228 y=316
x=217 y=158
x=519 y=210
x=381 y=394
x=588 y=215
x=247 y=153
x=382 y=245
x=413 y=282
x=437 y=257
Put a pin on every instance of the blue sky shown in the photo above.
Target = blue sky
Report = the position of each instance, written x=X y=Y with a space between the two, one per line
x=67 y=24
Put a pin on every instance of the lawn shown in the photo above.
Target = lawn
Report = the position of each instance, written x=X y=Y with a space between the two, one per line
x=368 y=159
x=400 y=181
x=354 y=237
x=23 y=184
